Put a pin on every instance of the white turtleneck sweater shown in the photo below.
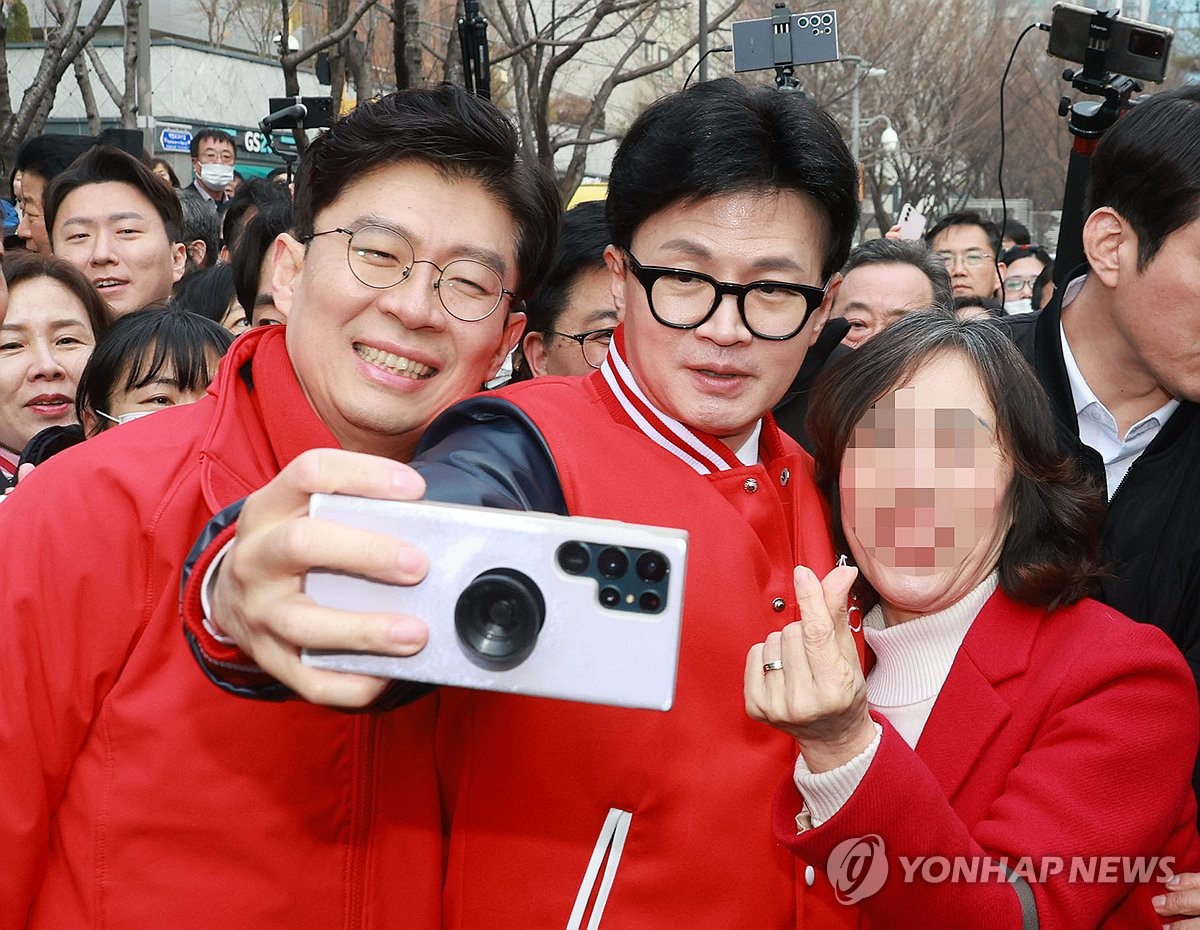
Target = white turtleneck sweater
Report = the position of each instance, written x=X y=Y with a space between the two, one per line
x=912 y=660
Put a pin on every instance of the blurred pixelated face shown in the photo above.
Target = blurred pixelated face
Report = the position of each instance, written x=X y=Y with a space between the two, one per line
x=924 y=486
x=873 y=296
x=719 y=378
x=45 y=340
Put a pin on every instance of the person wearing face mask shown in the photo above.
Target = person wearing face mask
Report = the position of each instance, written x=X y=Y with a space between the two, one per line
x=1023 y=266
x=213 y=158
x=1009 y=727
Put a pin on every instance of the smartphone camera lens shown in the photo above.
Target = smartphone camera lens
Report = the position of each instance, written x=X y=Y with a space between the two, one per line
x=612 y=562
x=652 y=566
x=573 y=558
x=650 y=602
x=498 y=617
x=610 y=597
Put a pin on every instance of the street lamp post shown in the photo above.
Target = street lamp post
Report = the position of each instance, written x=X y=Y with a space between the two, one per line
x=862 y=69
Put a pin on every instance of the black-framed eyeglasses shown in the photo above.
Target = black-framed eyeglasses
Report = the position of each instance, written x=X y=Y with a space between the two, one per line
x=684 y=299
x=380 y=257
x=594 y=343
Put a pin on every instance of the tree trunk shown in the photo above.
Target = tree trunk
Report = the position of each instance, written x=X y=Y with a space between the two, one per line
x=89 y=98
x=128 y=101
x=400 y=44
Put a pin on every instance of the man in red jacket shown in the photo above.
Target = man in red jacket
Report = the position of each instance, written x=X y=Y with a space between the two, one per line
x=133 y=792
x=730 y=211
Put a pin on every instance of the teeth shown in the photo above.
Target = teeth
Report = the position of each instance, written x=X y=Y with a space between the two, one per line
x=397 y=364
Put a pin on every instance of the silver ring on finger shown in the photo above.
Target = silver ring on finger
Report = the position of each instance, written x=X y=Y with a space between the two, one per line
x=774 y=666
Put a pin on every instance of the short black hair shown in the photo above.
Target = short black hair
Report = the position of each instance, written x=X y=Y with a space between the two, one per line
x=207 y=292
x=1016 y=231
x=250 y=198
x=1147 y=168
x=105 y=164
x=200 y=222
x=990 y=305
x=21 y=265
x=967 y=218
x=905 y=252
x=200 y=136
x=247 y=259
x=458 y=134
x=50 y=154
x=1017 y=252
x=580 y=248
x=140 y=345
x=720 y=137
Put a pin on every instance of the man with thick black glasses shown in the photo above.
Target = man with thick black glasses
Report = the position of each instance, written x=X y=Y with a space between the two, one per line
x=729 y=212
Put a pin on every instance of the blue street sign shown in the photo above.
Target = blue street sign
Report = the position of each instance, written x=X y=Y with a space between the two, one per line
x=175 y=140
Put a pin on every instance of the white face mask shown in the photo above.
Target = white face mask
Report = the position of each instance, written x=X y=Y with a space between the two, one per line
x=126 y=417
x=1024 y=305
x=217 y=176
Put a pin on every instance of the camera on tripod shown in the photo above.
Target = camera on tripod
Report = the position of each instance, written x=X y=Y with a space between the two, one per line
x=1135 y=49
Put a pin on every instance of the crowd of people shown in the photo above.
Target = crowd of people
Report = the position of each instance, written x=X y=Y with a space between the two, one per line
x=942 y=593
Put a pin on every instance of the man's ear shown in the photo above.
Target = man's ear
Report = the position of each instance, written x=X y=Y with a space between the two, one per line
x=1001 y=271
x=615 y=260
x=821 y=314
x=514 y=325
x=287 y=255
x=198 y=250
x=534 y=349
x=178 y=260
x=1105 y=236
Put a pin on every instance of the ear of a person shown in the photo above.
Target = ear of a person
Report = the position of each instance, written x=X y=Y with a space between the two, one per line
x=1107 y=241
x=615 y=260
x=179 y=256
x=821 y=315
x=534 y=349
x=288 y=260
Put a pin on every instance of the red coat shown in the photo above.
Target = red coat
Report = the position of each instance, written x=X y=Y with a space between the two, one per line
x=531 y=782
x=1071 y=733
x=134 y=793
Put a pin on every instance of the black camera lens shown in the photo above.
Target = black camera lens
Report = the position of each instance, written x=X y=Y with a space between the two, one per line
x=573 y=558
x=612 y=562
x=652 y=566
x=650 y=602
x=610 y=597
x=498 y=617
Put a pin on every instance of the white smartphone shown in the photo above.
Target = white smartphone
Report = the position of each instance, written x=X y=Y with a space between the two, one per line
x=529 y=603
x=911 y=222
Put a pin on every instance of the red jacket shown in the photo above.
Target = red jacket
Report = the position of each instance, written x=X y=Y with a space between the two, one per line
x=1070 y=733
x=133 y=792
x=535 y=786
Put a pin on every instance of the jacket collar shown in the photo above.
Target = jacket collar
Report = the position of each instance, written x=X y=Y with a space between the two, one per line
x=263 y=419
x=704 y=453
x=969 y=710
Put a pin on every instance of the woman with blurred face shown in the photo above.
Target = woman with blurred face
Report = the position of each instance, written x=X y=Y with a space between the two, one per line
x=47 y=332
x=1007 y=724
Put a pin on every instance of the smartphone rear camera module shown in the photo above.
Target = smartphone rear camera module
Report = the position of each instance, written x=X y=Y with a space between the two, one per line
x=652 y=566
x=650 y=602
x=610 y=596
x=573 y=558
x=498 y=618
x=613 y=562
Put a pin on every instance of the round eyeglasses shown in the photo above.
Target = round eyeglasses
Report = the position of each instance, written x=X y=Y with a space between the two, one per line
x=594 y=343
x=684 y=299
x=380 y=257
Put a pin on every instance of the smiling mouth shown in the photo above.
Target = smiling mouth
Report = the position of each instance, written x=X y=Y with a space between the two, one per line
x=395 y=364
x=102 y=283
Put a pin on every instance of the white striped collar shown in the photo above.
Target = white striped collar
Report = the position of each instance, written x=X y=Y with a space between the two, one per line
x=703 y=453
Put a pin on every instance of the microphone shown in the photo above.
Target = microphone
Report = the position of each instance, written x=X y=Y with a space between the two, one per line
x=297 y=111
